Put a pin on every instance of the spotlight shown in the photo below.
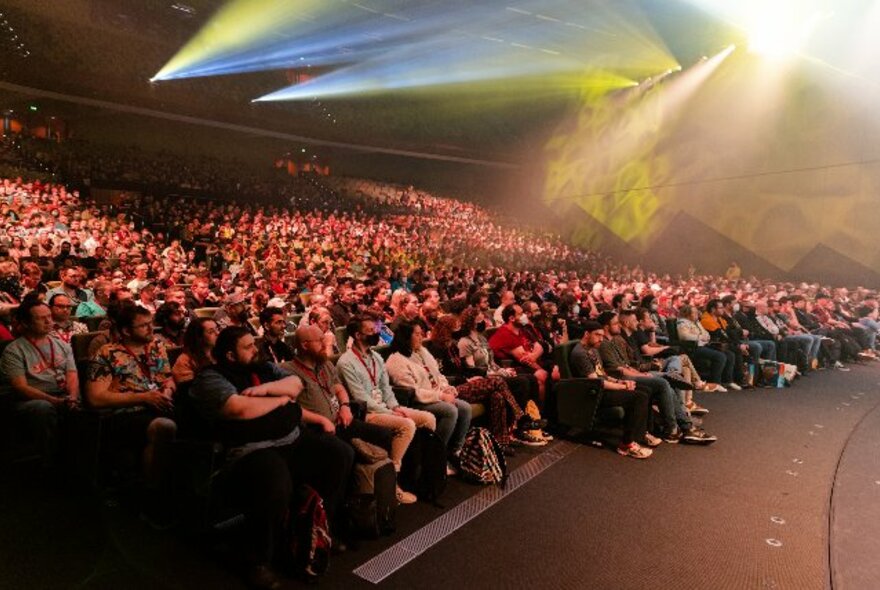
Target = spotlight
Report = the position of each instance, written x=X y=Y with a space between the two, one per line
x=777 y=32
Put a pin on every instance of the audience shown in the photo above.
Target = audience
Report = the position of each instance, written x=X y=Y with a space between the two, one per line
x=390 y=264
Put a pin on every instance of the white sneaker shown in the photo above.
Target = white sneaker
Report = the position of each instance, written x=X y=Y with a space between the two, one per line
x=404 y=497
x=734 y=387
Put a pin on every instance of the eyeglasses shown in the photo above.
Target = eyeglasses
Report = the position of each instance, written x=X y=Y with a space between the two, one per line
x=62 y=306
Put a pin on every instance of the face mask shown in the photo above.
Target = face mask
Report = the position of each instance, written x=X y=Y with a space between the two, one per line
x=481 y=326
x=654 y=307
x=736 y=307
x=576 y=309
x=372 y=339
x=523 y=320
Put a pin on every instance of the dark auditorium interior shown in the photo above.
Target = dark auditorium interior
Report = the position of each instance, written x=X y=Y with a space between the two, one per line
x=439 y=293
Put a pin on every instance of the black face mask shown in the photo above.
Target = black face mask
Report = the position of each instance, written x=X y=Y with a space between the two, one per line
x=481 y=326
x=458 y=334
x=371 y=340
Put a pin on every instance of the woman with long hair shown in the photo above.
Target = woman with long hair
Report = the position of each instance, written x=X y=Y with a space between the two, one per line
x=198 y=346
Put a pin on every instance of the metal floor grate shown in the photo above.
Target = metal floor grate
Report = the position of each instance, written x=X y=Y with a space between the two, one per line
x=398 y=555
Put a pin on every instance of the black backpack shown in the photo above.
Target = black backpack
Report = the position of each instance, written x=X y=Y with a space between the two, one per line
x=423 y=471
x=374 y=512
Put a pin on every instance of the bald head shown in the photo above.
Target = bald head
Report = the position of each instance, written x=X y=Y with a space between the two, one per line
x=307 y=334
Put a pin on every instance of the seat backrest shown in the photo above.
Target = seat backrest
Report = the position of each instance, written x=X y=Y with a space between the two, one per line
x=341 y=338
x=383 y=350
x=80 y=343
x=173 y=353
x=93 y=323
x=672 y=329
x=205 y=312
x=561 y=355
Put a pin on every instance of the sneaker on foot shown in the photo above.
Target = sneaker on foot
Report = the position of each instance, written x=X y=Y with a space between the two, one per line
x=652 y=441
x=526 y=422
x=672 y=436
x=635 y=451
x=404 y=497
x=840 y=366
x=696 y=410
x=733 y=386
x=529 y=439
x=698 y=436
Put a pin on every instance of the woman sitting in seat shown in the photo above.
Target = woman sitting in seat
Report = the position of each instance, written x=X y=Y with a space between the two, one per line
x=508 y=422
x=198 y=346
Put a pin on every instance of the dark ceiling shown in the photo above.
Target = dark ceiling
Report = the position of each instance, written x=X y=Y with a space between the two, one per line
x=108 y=50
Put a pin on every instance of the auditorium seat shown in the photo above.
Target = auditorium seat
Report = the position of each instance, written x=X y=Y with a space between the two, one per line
x=578 y=399
x=205 y=312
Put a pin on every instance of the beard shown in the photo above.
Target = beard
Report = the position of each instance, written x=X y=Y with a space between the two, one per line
x=319 y=357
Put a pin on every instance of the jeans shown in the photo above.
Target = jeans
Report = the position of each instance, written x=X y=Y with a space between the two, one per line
x=872 y=327
x=261 y=484
x=720 y=363
x=668 y=399
x=672 y=364
x=453 y=421
x=40 y=417
x=766 y=350
x=802 y=341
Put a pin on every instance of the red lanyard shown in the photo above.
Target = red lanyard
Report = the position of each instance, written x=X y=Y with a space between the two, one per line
x=371 y=373
x=427 y=370
x=43 y=356
x=316 y=377
x=144 y=367
x=255 y=380
x=59 y=379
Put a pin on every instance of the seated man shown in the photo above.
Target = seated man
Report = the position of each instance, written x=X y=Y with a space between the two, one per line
x=325 y=401
x=618 y=358
x=273 y=348
x=71 y=285
x=234 y=313
x=63 y=326
x=41 y=373
x=98 y=306
x=170 y=321
x=250 y=406
x=133 y=377
x=366 y=379
x=320 y=318
x=510 y=343
x=635 y=400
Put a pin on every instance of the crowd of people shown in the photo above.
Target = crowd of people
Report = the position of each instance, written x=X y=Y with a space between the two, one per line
x=285 y=332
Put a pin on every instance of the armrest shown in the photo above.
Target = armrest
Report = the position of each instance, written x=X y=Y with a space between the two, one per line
x=577 y=401
x=404 y=395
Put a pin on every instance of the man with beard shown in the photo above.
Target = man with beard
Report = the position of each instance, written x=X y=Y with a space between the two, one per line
x=133 y=378
x=234 y=313
x=63 y=326
x=71 y=281
x=272 y=347
x=325 y=400
x=621 y=359
x=170 y=319
x=251 y=408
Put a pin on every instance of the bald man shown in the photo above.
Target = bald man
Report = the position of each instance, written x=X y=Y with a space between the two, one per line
x=325 y=401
